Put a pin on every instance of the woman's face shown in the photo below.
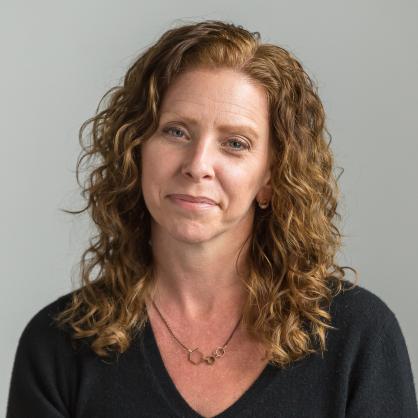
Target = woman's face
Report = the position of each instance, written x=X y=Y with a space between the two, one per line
x=212 y=141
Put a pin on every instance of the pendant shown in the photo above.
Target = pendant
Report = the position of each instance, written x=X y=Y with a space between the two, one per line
x=196 y=356
x=210 y=360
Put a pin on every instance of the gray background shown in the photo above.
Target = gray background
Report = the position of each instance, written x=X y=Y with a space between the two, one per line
x=58 y=58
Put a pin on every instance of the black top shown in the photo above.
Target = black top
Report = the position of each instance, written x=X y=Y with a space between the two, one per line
x=365 y=372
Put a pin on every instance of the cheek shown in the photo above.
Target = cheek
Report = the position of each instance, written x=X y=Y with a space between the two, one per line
x=157 y=169
x=239 y=183
x=150 y=160
x=157 y=156
x=149 y=174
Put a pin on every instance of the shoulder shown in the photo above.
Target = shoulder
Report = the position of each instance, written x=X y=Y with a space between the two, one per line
x=360 y=317
x=368 y=353
x=45 y=368
x=358 y=302
x=42 y=332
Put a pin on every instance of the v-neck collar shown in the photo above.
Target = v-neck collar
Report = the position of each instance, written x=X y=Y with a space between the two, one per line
x=173 y=397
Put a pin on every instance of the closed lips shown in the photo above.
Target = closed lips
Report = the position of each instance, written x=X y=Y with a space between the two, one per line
x=197 y=199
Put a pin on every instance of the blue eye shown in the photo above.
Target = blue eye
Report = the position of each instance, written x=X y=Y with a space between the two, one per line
x=244 y=146
x=174 y=129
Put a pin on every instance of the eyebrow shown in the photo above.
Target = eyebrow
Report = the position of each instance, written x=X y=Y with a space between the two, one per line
x=223 y=127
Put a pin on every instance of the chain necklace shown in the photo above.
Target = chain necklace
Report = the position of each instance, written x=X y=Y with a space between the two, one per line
x=219 y=352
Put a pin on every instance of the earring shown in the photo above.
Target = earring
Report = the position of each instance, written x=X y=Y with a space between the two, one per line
x=263 y=205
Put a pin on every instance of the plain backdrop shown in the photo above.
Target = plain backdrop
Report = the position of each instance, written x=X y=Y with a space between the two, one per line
x=59 y=58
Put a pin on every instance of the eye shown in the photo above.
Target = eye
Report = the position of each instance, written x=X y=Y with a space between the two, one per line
x=242 y=144
x=173 y=128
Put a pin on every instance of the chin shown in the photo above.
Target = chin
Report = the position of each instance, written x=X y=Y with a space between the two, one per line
x=191 y=235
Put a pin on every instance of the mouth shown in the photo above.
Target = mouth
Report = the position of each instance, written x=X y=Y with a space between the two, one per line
x=194 y=199
x=191 y=205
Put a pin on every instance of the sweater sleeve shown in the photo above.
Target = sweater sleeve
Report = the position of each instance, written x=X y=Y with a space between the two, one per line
x=382 y=384
x=40 y=380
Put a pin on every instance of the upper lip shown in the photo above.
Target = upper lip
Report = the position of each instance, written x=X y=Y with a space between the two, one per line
x=195 y=199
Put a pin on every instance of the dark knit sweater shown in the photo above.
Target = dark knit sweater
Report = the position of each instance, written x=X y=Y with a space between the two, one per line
x=365 y=372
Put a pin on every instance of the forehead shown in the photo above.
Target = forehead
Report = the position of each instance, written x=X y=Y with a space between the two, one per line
x=225 y=92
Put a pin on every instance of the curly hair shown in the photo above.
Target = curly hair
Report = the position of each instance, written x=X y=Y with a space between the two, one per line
x=293 y=275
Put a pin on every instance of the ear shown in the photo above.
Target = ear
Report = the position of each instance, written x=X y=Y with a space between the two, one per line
x=264 y=195
x=265 y=192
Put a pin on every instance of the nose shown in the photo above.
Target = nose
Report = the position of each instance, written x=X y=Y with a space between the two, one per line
x=199 y=159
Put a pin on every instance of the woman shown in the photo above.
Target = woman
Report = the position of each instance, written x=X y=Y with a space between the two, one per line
x=211 y=287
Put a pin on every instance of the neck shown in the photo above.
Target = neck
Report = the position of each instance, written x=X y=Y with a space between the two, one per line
x=199 y=283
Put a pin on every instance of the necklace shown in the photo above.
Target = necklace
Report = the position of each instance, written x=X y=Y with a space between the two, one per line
x=192 y=354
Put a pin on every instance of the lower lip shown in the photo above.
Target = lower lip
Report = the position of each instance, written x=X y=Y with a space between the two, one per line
x=190 y=205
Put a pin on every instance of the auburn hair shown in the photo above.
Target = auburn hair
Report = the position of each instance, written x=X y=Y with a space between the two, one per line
x=293 y=275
